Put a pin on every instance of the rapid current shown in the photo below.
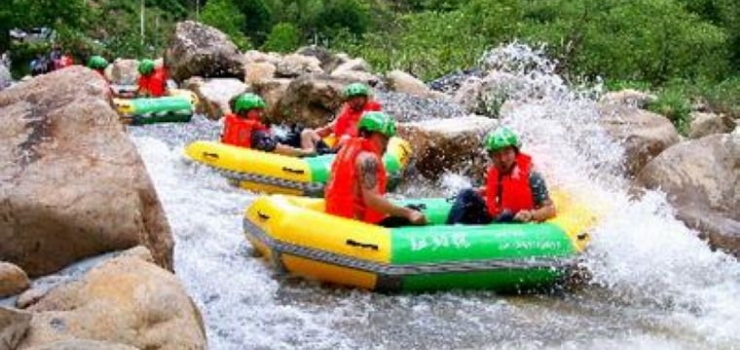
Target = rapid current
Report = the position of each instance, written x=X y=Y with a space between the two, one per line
x=654 y=285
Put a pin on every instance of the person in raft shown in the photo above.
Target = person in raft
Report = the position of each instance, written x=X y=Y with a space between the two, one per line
x=357 y=184
x=513 y=192
x=153 y=81
x=244 y=128
x=356 y=102
x=98 y=64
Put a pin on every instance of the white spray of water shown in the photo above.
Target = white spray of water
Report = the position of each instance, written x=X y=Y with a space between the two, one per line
x=655 y=283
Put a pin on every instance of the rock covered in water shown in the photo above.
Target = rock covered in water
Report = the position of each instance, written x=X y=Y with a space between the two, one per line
x=13 y=280
x=409 y=108
x=214 y=95
x=702 y=181
x=5 y=78
x=201 y=50
x=643 y=134
x=125 y=300
x=448 y=145
x=14 y=324
x=74 y=185
x=450 y=83
x=703 y=124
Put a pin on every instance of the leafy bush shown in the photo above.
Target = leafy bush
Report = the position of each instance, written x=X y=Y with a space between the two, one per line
x=674 y=103
x=225 y=16
x=284 y=37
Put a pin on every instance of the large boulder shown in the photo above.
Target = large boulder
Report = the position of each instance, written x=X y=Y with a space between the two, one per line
x=13 y=280
x=702 y=180
x=254 y=56
x=125 y=300
x=82 y=344
x=272 y=91
x=353 y=65
x=13 y=326
x=124 y=72
x=703 y=124
x=400 y=81
x=214 y=95
x=643 y=134
x=255 y=72
x=311 y=100
x=294 y=65
x=448 y=145
x=73 y=184
x=201 y=50
x=327 y=60
x=628 y=97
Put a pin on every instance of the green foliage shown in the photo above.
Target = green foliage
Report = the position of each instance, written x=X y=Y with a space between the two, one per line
x=673 y=102
x=224 y=15
x=284 y=37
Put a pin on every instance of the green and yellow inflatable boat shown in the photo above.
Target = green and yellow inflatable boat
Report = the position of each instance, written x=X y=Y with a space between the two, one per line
x=297 y=237
x=177 y=107
x=273 y=173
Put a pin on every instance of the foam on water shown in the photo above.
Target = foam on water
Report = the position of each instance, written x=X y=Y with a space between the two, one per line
x=655 y=284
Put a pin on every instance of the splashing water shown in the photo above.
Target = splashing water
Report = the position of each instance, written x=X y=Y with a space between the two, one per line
x=655 y=284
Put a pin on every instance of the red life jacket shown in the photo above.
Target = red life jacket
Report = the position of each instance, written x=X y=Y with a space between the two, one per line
x=238 y=131
x=348 y=118
x=516 y=194
x=63 y=62
x=343 y=193
x=155 y=84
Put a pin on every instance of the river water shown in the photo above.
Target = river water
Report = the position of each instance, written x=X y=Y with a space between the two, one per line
x=655 y=285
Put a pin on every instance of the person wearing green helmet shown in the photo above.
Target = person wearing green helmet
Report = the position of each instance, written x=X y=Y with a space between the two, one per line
x=357 y=101
x=98 y=64
x=152 y=79
x=514 y=191
x=244 y=128
x=358 y=179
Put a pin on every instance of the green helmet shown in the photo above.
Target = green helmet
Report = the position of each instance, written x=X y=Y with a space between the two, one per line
x=501 y=138
x=378 y=122
x=248 y=101
x=146 y=66
x=97 y=62
x=356 y=89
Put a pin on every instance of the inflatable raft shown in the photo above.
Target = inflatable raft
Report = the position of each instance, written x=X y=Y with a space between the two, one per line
x=273 y=173
x=177 y=107
x=297 y=237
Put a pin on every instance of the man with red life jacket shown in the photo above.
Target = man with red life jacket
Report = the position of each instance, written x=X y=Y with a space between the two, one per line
x=244 y=128
x=98 y=64
x=153 y=81
x=513 y=190
x=344 y=127
x=358 y=179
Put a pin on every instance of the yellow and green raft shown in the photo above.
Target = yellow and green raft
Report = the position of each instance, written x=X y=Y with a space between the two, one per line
x=178 y=106
x=273 y=173
x=297 y=237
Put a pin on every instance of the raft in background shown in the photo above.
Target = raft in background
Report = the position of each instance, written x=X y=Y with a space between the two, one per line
x=273 y=173
x=297 y=237
x=177 y=107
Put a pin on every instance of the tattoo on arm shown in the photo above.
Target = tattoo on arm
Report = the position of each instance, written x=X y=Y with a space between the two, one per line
x=369 y=169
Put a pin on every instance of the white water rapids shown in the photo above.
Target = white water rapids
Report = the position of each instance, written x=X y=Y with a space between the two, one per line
x=655 y=284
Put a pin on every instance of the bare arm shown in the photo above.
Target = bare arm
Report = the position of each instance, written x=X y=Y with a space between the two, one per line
x=326 y=130
x=291 y=151
x=367 y=166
